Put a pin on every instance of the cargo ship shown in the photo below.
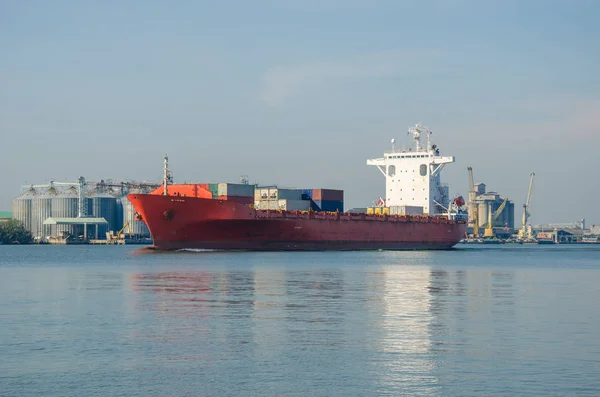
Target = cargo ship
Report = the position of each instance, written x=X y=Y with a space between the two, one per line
x=416 y=213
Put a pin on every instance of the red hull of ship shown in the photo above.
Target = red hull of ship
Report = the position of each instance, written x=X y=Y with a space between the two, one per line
x=199 y=223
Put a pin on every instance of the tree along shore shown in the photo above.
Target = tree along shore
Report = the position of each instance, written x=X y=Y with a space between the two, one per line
x=13 y=232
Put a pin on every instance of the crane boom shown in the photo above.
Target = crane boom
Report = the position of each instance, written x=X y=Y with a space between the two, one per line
x=526 y=213
x=500 y=209
x=530 y=188
x=471 y=204
x=471 y=186
x=489 y=229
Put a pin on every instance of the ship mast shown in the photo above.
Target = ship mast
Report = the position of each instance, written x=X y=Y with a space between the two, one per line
x=165 y=175
x=416 y=132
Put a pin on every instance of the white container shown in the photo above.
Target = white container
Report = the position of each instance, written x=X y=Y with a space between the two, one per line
x=274 y=193
x=266 y=205
x=265 y=193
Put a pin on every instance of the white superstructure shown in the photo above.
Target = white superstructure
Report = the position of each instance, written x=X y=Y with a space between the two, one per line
x=412 y=176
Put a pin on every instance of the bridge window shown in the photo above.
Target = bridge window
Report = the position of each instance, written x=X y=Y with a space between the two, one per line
x=392 y=170
x=423 y=169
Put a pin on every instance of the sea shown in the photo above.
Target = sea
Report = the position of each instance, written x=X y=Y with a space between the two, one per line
x=504 y=320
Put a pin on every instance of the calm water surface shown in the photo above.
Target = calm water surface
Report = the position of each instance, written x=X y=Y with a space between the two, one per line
x=118 y=321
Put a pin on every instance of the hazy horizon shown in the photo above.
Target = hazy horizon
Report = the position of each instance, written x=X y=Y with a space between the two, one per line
x=302 y=93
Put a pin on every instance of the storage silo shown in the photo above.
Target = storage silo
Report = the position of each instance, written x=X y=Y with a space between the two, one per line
x=118 y=212
x=511 y=215
x=483 y=213
x=41 y=209
x=103 y=205
x=65 y=205
x=21 y=208
x=137 y=228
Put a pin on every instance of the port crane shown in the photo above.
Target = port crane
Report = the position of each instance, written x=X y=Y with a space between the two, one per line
x=525 y=231
x=472 y=208
x=489 y=230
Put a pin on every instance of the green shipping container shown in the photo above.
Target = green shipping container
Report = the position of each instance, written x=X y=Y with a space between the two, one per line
x=214 y=189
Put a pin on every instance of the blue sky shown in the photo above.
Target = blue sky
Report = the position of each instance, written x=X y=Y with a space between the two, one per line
x=301 y=93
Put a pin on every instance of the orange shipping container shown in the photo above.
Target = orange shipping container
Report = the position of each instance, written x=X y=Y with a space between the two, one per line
x=327 y=195
x=187 y=190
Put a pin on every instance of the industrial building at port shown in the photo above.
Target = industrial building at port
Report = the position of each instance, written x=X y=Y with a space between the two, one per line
x=492 y=205
x=489 y=211
x=86 y=210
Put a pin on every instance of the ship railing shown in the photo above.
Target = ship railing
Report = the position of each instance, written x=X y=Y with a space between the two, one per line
x=279 y=214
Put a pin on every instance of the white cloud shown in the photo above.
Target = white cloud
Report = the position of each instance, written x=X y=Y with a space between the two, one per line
x=281 y=83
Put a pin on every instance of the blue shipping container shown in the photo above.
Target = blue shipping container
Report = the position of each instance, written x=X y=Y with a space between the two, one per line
x=306 y=194
x=314 y=206
x=330 y=206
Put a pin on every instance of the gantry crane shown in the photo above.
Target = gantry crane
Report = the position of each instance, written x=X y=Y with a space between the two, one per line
x=525 y=231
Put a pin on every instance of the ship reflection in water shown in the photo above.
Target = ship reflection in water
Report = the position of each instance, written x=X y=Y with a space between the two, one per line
x=386 y=327
x=470 y=322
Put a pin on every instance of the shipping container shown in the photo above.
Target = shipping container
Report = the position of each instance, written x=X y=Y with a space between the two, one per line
x=294 y=205
x=235 y=189
x=330 y=206
x=406 y=210
x=266 y=204
x=274 y=193
x=238 y=199
x=289 y=194
x=214 y=189
x=327 y=195
x=314 y=206
x=306 y=194
x=265 y=193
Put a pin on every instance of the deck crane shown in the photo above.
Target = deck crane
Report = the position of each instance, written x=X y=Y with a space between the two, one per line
x=473 y=211
x=524 y=232
x=489 y=230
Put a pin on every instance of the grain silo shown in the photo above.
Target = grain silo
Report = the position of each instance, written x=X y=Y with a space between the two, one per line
x=103 y=205
x=41 y=209
x=21 y=207
x=483 y=206
x=136 y=227
x=65 y=205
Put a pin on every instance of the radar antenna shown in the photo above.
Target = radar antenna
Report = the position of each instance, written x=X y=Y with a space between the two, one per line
x=416 y=132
